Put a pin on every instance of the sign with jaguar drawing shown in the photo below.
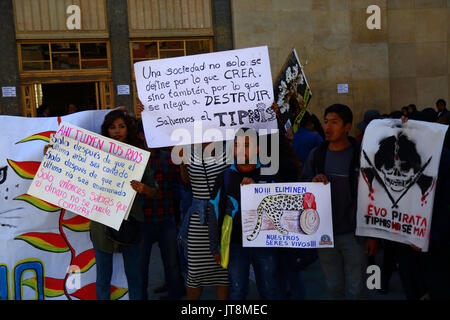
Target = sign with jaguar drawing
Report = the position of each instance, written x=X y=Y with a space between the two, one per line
x=397 y=180
x=291 y=215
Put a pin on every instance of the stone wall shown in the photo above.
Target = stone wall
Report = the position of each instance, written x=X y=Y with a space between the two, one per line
x=407 y=61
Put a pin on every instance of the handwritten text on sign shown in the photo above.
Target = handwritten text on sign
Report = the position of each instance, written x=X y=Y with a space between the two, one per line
x=84 y=179
x=224 y=90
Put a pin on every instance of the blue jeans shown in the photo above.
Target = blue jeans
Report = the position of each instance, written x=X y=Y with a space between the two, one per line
x=185 y=200
x=165 y=233
x=290 y=277
x=264 y=261
x=104 y=262
x=344 y=267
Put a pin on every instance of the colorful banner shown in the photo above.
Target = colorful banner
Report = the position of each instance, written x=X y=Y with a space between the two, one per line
x=77 y=175
x=197 y=98
x=45 y=251
x=292 y=92
x=397 y=180
x=291 y=215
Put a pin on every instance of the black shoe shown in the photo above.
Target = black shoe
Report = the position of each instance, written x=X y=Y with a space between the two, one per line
x=383 y=291
x=161 y=289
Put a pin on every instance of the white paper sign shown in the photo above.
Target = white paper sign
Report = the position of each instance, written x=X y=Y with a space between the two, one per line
x=123 y=89
x=186 y=96
x=291 y=215
x=89 y=175
x=8 y=92
x=397 y=180
x=342 y=88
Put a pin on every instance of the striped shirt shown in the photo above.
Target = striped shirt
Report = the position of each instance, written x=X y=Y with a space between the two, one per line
x=202 y=268
x=203 y=173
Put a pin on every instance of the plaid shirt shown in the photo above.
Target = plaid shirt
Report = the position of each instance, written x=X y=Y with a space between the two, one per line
x=167 y=176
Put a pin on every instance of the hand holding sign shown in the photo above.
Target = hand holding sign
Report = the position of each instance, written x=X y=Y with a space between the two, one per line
x=89 y=175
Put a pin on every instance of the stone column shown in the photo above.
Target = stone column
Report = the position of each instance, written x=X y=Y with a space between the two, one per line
x=221 y=16
x=120 y=50
x=9 y=75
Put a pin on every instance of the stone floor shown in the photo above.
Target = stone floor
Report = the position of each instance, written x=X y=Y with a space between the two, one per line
x=315 y=286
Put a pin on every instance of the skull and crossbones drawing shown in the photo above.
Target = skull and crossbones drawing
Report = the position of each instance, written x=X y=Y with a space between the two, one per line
x=397 y=167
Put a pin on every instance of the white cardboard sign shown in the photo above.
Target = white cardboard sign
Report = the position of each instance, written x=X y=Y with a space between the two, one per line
x=397 y=180
x=183 y=97
x=89 y=175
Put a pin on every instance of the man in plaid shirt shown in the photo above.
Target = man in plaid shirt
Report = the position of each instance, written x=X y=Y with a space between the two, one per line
x=160 y=224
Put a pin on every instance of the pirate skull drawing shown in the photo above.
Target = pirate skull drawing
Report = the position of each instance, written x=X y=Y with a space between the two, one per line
x=399 y=161
x=397 y=166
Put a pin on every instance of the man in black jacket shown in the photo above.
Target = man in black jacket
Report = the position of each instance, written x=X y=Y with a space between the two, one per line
x=336 y=161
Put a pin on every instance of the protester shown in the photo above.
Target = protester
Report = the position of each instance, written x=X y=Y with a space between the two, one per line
x=118 y=126
x=388 y=265
x=395 y=115
x=412 y=111
x=193 y=238
x=160 y=220
x=44 y=110
x=290 y=280
x=336 y=161
x=315 y=126
x=72 y=108
x=428 y=114
x=441 y=107
x=160 y=225
x=304 y=139
x=369 y=115
x=425 y=274
x=404 y=111
x=225 y=212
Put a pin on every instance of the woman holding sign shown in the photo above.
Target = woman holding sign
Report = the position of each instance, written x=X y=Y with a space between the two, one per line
x=119 y=126
x=106 y=241
x=202 y=268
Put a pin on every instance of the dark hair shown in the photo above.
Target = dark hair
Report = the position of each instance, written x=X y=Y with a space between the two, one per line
x=396 y=114
x=139 y=126
x=132 y=137
x=407 y=152
x=428 y=114
x=317 y=125
x=40 y=110
x=445 y=119
x=243 y=132
x=404 y=108
x=342 y=111
x=441 y=101
x=306 y=118
x=413 y=106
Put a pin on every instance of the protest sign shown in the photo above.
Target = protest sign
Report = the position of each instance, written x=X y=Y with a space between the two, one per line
x=45 y=251
x=397 y=180
x=89 y=175
x=291 y=215
x=292 y=92
x=184 y=97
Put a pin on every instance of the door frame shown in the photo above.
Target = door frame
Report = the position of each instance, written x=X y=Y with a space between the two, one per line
x=103 y=93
